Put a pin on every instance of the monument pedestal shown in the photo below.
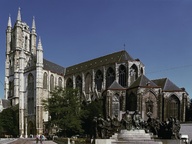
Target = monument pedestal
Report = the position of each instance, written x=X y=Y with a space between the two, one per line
x=133 y=137
x=104 y=141
x=129 y=137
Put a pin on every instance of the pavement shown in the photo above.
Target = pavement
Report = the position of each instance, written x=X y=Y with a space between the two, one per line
x=23 y=141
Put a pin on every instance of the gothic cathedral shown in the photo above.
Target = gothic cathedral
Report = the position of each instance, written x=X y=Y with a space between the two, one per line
x=117 y=78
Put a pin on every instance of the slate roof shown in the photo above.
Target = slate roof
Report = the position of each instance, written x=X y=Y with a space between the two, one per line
x=167 y=85
x=116 y=86
x=55 y=68
x=116 y=57
x=143 y=81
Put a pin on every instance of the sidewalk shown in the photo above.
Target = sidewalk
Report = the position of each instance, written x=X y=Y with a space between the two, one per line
x=44 y=142
x=29 y=141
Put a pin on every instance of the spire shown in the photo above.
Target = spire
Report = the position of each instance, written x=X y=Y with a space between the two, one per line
x=19 y=15
x=9 y=22
x=33 y=24
x=39 y=54
x=39 y=47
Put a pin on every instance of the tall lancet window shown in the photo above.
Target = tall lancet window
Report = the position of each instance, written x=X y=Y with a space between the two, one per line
x=99 y=80
x=45 y=80
x=30 y=98
x=52 y=83
x=88 y=83
x=79 y=83
x=69 y=83
x=26 y=43
x=133 y=73
x=11 y=89
x=173 y=107
x=122 y=76
x=110 y=77
x=60 y=82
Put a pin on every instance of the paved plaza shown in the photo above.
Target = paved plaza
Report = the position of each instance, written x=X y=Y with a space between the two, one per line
x=186 y=129
x=23 y=141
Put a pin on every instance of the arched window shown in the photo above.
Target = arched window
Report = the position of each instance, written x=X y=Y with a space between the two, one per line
x=133 y=73
x=79 y=83
x=110 y=77
x=69 y=83
x=60 y=82
x=122 y=76
x=30 y=90
x=142 y=71
x=173 y=107
x=99 y=80
x=11 y=89
x=26 y=43
x=52 y=86
x=45 y=80
x=88 y=83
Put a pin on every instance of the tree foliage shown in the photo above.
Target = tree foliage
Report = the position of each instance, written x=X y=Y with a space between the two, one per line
x=64 y=107
x=9 y=121
x=93 y=109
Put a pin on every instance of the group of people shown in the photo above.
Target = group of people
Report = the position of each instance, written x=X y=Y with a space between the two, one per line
x=39 y=138
x=104 y=128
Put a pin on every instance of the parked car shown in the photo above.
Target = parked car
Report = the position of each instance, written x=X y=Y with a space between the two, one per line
x=185 y=138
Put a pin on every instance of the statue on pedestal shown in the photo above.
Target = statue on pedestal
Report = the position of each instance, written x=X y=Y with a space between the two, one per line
x=115 y=124
x=137 y=120
x=100 y=127
x=108 y=128
x=127 y=121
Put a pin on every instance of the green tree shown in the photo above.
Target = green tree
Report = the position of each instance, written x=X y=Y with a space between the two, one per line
x=93 y=109
x=9 y=123
x=64 y=107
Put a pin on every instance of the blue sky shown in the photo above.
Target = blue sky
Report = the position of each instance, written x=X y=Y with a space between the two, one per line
x=158 y=32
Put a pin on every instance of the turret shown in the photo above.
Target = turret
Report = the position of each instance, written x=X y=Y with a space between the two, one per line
x=17 y=32
x=39 y=87
x=33 y=37
x=39 y=54
x=8 y=36
x=21 y=92
x=8 y=48
x=19 y=15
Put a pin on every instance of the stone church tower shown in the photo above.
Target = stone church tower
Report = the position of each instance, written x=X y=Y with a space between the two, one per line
x=24 y=66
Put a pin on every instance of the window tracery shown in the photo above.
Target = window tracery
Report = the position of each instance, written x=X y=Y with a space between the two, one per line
x=45 y=80
x=79 y=83
x=99 y=80
x=69 y=83
x=30 y=98
x=60 y=82
x=110 y=77
x=88 y=83
x=122 y=75
x=52 y=83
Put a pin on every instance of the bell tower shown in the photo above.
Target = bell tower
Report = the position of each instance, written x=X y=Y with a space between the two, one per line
x=20 y=58
x=18 y=38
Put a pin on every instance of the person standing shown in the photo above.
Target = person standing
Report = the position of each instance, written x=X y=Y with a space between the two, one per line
x=37 y=139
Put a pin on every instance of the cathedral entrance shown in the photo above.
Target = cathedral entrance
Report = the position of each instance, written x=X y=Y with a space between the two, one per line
x=31 y=128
